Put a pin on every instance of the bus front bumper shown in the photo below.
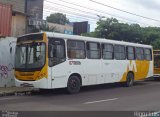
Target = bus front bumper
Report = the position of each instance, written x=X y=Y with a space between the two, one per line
x=41 y=84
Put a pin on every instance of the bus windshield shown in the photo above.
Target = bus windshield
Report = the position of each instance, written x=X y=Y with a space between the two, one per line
x=30 y=56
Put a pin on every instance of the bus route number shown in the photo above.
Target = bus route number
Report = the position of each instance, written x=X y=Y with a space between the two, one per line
x=74 y=63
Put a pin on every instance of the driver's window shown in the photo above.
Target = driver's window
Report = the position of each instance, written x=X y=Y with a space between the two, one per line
x=56 y=51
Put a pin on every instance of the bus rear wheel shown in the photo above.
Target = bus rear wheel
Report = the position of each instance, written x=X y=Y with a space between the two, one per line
x=129 y=80
x=73 y=85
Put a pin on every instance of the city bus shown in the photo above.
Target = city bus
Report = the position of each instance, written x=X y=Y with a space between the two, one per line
x=156 y=54
x=51 y=60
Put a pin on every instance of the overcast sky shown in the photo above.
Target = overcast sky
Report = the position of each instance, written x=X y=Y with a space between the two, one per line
x=147 y=8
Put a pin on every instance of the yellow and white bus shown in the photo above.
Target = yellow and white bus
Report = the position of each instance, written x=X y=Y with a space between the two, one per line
x=52 y=60
x=156 y=54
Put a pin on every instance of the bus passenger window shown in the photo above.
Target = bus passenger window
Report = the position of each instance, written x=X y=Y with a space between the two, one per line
x=119 y=52
x=93 y=50
x=139 y=53
x=148 y=54
x=130 y=53
x=107 y=50
x=76 y=49
x=56 y=51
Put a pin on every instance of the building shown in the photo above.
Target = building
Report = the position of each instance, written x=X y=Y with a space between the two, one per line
x=65 y=29
x=80 y=27
x=18 y=19
x=34 y=10
x=23 y=13
x=5 y=20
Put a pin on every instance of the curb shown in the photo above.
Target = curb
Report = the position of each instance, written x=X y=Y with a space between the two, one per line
x=6 y=94
x=16 y=93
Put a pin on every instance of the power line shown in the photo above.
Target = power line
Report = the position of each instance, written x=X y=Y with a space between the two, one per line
x=68 y=12
x=103 y=12
x=73 y=12
x=75 y=17
x=125 y=11
x=75 y=20
x=82 y=15
x=72 y=8
x=92 y=10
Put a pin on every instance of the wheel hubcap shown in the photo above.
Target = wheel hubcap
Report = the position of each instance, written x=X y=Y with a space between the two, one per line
x=73 y=84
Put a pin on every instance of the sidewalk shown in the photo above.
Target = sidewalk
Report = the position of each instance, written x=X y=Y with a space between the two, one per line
x=14 y=91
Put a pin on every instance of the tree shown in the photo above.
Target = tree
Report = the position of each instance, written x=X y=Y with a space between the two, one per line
x=90 y=34
x=104 y=27
x=58 y=18
x=111 y=28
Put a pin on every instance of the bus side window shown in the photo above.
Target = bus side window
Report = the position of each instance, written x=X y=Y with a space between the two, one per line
x=139 y=53
x=93 y=50
x=119 y=52
x=130 y=53
x=148 y=54
x=107 y=51
x=56 y=51
x=76 y=49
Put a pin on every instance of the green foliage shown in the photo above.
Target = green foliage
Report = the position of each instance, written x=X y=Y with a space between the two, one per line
x=90 y=34
x=111 y=28
x=156 y=44
x=58 y=18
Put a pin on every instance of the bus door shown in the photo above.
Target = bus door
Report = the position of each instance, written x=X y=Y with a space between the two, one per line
x=57 y=58
x=140 y=63
x=93 y=68
x=157 y=64
x=108 y=63
x=147 y=60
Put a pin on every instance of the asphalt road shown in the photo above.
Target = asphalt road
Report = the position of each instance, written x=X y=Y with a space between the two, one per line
x=144 y=96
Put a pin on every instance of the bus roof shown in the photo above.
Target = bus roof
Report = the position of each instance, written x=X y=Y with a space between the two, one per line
x=75 y=37
x=92 y=39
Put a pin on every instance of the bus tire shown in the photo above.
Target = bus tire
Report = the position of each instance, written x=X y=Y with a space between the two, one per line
x=129 y=80
x=73 y=85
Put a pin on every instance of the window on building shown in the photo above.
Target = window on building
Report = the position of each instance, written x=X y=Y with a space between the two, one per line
x=107 y=51
x=119 y=52
x=130 y=53
x=93 y=50
x=139 y=53
x=76 y=49
x=148 y=54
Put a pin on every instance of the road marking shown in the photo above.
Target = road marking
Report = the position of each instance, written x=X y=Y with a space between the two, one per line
x=7 y=99
x=100 y=101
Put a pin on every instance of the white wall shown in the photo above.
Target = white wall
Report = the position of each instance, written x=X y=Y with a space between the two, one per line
x=7 y=53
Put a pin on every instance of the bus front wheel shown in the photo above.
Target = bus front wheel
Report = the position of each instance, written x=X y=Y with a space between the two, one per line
x=130 y=80
x=73 y=85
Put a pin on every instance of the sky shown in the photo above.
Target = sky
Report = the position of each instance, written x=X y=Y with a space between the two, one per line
x=146 y=8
